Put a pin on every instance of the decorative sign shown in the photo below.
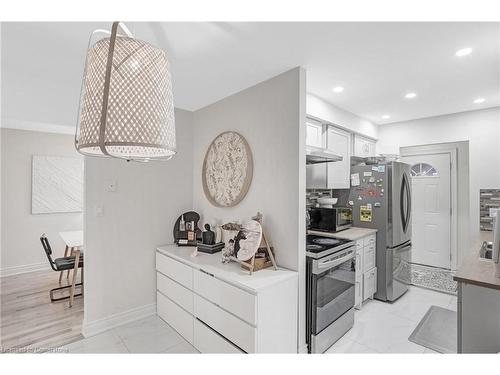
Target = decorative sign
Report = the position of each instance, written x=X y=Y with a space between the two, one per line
x=365 y=214
x=57 y=184
x=227 y=169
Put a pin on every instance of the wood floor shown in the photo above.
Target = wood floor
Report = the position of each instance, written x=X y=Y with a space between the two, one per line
x=29 y=321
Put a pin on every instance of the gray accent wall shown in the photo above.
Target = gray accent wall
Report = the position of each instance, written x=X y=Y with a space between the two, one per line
x=271 y=116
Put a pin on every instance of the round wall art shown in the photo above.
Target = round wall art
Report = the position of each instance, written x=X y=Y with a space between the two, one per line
x=227 y=169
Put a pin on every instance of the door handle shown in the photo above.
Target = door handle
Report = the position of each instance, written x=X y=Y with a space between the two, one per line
x=405 y=196
x=408 y=204
x=401 y=204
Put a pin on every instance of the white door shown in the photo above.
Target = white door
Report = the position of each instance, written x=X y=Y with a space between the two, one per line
x=339 y=141
x=431 y=209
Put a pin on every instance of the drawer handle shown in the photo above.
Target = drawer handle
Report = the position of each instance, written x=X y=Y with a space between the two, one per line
x=208 y=273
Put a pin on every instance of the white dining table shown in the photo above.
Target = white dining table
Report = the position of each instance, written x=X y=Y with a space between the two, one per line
x=72 y=239
x=74 y=247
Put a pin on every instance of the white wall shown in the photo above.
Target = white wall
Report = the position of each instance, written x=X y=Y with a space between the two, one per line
x=120 y=277
x=320 y=108
x=21 y=249
x=480 y=128
x=271 y=117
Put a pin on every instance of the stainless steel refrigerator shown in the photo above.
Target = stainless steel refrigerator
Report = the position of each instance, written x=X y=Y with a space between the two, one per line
x=380 y=196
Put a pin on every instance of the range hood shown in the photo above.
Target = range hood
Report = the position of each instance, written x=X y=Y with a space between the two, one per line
x=317 y=155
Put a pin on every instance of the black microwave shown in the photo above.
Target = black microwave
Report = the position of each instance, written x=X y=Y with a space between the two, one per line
x=330 y=219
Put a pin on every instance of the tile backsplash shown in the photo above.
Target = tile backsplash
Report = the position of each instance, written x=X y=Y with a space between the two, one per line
x=488 y=198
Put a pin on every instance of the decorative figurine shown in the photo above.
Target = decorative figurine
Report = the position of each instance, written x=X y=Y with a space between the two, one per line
x=208 y=237
x=228 y=251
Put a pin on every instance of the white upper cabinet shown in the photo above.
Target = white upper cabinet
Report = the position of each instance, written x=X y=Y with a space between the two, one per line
x=314 y=133
x=364 y=147
x=316 y=173
x=339 y=142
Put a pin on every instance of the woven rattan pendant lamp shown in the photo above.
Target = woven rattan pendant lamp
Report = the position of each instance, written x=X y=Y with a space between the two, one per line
x=126 y=104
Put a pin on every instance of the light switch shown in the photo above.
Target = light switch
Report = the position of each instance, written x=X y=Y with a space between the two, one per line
x=111 y=186
x=99 y=210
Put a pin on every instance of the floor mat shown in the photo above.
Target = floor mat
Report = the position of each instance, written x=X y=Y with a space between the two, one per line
x=433 y=278
x=437 y=330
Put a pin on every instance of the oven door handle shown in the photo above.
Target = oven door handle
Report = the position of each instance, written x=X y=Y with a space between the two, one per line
x=336 y=262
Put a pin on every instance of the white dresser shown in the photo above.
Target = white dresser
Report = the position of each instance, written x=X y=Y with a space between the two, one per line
x=220 y=308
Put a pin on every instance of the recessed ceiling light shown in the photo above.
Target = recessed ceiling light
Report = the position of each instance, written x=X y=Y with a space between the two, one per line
x=463 y=52
x=338 y=89
x=385 y=117
x=479 y=100
x=410 y=95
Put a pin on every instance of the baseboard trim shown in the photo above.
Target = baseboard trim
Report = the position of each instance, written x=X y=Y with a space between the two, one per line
x=15 y=270
x=115 y=320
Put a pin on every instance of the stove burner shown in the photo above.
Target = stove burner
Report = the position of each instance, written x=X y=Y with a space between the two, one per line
x=313 y=247
x=326 y=241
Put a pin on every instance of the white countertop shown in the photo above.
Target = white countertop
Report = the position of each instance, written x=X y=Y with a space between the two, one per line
x=352 y=234
x=228 y=272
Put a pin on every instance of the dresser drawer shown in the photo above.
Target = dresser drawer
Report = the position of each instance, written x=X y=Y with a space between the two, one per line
x=235 y=330
x=369 y=257
x=206 y=340
x=370 y=240
x=230 y=298
x=369 y=283
x=175 y=270
x=176 y=292
x=176 y=317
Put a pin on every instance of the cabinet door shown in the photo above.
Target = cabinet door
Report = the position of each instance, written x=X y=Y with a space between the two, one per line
x=358 y=296
x=369 y=283
x=314 y=133
x=369 y=257
x=339 y=141
x=364 y=147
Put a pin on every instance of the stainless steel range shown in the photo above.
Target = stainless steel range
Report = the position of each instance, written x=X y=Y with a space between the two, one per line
x=330 y=283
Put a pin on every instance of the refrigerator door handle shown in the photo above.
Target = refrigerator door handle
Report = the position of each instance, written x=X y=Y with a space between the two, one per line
x=401 y=204
x=408 y=202
x=405 y=198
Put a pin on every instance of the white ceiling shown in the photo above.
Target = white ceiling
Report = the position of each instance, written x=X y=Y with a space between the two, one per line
x=376 y=63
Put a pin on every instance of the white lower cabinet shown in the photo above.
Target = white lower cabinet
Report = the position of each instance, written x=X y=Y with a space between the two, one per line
x=224 y=309
x=230 y=298
x=229 y=326
x=370 y=283
x=366 y=270
x=175 y=292
x=178 y=318
x=206 y=340
x=358 y=292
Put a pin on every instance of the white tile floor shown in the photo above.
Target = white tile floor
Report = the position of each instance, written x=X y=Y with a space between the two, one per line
x=379 y=328
x=149 y=335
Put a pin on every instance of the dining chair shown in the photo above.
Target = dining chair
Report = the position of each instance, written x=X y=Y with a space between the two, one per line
x=62 y=264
